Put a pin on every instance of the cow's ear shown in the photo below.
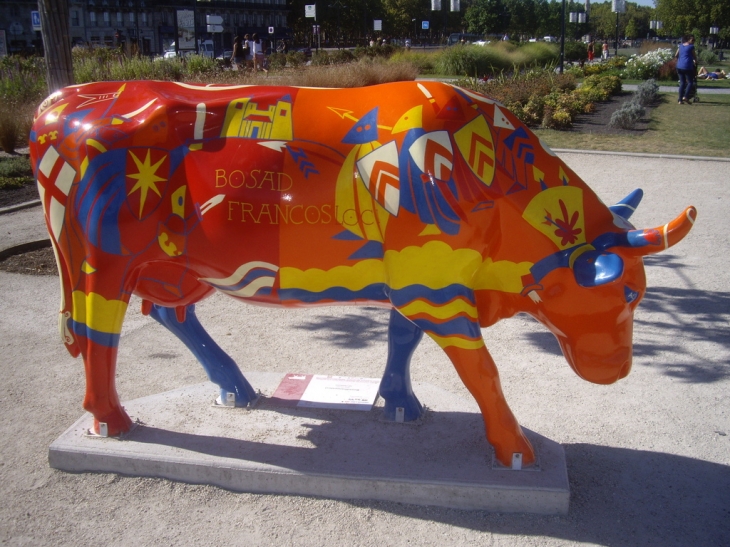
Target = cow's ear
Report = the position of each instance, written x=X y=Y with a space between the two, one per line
x=595 y=268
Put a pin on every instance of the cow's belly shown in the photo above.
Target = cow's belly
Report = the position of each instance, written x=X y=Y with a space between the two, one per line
x=271 y=232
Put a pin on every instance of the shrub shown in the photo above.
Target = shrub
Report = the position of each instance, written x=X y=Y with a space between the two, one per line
x=295 y=59
x=277 y=61
x=16 y=119
x=320 y=58
x=706 y=57
x=342 y=56
x=627 y=116
x=15 y=172
x=646 y=93
x=22 y=80
x=668 y=71
x=424 y=62
x=643 y=67
x=477 y=61
x=575 y=51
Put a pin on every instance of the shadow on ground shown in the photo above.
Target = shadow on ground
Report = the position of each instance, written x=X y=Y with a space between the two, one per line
x=619 y=497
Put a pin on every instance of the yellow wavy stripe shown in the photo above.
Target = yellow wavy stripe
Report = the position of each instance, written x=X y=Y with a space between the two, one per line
x=446 y=341
x=452 y=309
x=362 y=274
x=98 y=313
x=435 y=265
x=503 y=275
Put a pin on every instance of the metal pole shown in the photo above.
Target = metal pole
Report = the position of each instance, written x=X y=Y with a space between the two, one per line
x=616 y=50
x=562 y=38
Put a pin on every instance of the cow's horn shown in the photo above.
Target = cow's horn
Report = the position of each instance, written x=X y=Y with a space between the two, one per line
x=646 y=242
x=626 y=207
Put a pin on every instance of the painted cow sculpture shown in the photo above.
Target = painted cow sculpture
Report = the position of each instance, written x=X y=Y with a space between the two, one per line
x=422 y=197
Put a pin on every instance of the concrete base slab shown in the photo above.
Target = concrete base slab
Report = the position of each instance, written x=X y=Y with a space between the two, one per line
x=443 y=459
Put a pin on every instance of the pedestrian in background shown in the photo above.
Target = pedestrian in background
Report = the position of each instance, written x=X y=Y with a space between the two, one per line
x=238 y=57
x=591 y=45
x=604 y=51
x=248 y=50
x=257 y=50
x=686 y=67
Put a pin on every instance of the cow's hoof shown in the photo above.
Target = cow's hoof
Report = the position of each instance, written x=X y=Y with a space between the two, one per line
x=404 y=410
x=116 y=424
x=504 y=451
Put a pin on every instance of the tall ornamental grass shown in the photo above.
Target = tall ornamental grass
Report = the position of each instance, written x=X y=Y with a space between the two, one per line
x=478 y=61
x=22 y=87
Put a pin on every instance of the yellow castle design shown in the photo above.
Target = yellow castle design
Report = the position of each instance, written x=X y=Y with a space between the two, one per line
x=245 y=119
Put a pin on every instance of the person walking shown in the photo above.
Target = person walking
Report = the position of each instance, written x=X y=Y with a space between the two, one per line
x=686 y=57
x=238 y=57
x=591 y=45
x=248 y=51
x=604 y=51
x=257 y=50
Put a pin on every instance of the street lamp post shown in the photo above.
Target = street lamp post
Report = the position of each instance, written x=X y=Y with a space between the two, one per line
x=655 y=26
x=618 y=6
x=562 y=37
x=714 y=31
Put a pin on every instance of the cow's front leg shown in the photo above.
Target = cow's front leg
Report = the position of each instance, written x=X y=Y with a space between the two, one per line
x=454 y=327
x=395 y=387
x=218 y=365
x=477 y=370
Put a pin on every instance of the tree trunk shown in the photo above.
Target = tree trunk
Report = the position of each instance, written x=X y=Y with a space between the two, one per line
x=56 y=43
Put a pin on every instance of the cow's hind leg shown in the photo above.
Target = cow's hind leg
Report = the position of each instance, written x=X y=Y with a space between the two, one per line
x=395 y=387
x=218 y=365
x=97 y=325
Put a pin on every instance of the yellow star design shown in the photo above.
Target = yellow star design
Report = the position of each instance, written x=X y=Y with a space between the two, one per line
x=146 y=177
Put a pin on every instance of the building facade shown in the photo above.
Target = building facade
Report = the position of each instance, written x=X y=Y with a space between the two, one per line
x=149 y=26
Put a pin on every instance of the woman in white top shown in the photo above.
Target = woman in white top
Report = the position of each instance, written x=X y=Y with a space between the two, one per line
x=258 y=52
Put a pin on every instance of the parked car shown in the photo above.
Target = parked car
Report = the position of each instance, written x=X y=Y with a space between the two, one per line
x=226 y=55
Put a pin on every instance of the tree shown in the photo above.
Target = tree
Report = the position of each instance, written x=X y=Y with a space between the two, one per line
x=524 y=17
x=486 y=17
x=56 y=43
x=681 y=16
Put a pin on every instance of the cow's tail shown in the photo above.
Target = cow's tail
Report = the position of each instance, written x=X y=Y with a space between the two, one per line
x=56 y=217
x=65 y=313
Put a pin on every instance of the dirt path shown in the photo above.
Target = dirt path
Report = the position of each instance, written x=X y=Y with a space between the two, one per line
x=648 y=458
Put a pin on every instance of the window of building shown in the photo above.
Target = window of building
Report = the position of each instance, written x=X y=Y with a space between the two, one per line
x=144 y=18
x=75 y=21
x=120 y=19
x=92 y=21
x=107 y=19
x=108 y=41
x=131 y=17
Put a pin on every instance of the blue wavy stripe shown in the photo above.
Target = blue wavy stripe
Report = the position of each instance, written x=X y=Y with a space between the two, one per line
x=254 y=274
x=457 y=326
x=99 y=199
x=98 y=337
x=404 y=296
x=338 y=294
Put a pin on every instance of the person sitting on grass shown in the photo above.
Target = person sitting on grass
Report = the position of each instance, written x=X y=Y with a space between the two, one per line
x=717 y=75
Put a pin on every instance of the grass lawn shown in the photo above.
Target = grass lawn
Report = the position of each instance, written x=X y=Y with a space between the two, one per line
x=702 y=129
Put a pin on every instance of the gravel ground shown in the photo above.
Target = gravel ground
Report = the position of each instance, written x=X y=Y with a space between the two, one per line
x=648 y=458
